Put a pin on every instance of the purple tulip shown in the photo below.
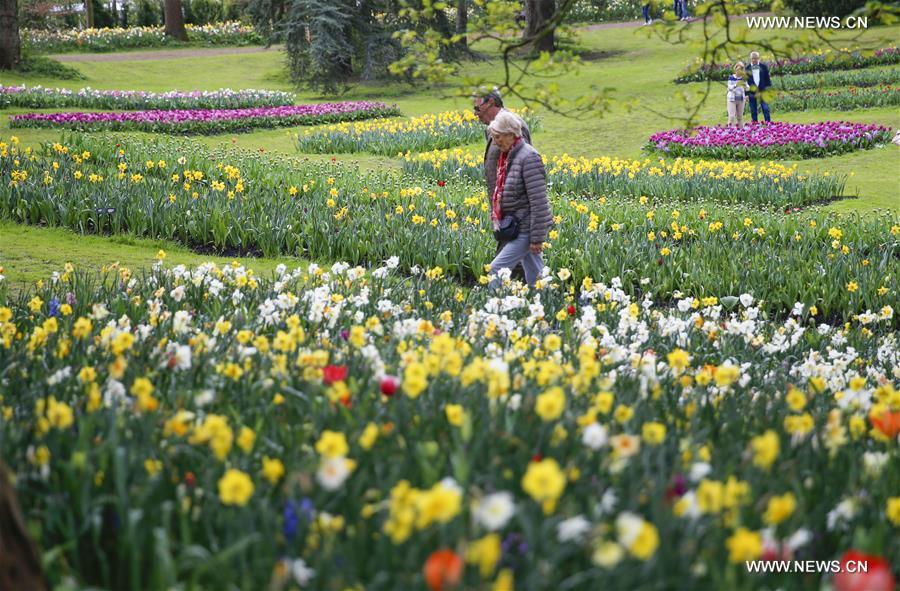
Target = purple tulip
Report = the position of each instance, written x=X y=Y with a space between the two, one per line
x=514 y=543
x=291 y=520
x=155 y=119
x=755 y=138
x=809 y=63
x=140 y=99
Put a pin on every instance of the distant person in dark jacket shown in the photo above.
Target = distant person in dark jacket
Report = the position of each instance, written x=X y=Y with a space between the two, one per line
x=760 y=82
x=519 y=200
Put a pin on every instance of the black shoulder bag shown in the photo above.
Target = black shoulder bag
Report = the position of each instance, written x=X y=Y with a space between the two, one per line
x=508 y=229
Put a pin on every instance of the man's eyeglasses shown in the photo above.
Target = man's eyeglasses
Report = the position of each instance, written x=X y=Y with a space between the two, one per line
x=477 y=108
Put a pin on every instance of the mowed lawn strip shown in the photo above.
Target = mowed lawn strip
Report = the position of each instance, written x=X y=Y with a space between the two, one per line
x=29 y=253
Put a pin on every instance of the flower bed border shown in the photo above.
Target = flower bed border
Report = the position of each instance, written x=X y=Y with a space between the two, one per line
x=130 y=120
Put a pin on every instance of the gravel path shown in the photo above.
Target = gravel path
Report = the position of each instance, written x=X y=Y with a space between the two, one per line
x=164 y=54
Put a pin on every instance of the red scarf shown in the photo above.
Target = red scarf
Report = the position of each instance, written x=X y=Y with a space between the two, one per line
x=497 y=195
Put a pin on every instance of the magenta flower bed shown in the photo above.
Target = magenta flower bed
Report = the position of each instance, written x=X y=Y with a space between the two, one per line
x=207 y=121
x=824 y=62
x=772 y=140
x=39 y=97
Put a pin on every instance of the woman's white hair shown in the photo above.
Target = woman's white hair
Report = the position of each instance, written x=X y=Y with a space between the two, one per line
x=506 y=122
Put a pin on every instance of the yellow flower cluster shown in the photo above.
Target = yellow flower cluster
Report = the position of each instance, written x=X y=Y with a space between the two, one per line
x=545 y=482
x=432 y=123
x=235 y=488
x=215 y=432
x=607 y=165
x=411 y=508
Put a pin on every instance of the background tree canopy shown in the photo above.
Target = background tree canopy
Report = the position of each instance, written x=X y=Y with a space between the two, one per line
x=825 y=7
x=332 y=43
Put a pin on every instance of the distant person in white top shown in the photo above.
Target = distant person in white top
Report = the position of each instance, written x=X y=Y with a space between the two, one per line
x=737 y=92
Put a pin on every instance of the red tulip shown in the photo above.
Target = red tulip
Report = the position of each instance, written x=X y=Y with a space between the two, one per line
x=677 y=489
x=863 y=572
x=571 y=310
x=443 y=567
x=334 y=373
x=887 y=423
x=772 y=550
x=389 y=385
x=441 y=183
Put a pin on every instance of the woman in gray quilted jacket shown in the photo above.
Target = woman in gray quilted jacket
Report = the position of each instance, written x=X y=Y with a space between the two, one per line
x=520 y=211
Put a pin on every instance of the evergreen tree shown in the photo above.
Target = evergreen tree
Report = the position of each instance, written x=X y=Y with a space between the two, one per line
x=333 y=42
x=319 y=43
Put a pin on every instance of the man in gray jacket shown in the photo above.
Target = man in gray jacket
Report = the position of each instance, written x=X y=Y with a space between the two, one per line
x=487 y=105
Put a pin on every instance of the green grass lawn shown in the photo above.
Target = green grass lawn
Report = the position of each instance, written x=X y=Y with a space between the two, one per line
x=636 y=66
x=29 y=253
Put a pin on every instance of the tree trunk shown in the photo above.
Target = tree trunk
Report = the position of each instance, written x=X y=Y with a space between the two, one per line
x=462 y=23
x=537 y=13
x=89 y=13
x=20 y=562
x=175 y=20
x=10 y=45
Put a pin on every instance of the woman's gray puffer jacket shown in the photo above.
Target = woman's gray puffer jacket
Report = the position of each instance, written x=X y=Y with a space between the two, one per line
x=525 y=192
